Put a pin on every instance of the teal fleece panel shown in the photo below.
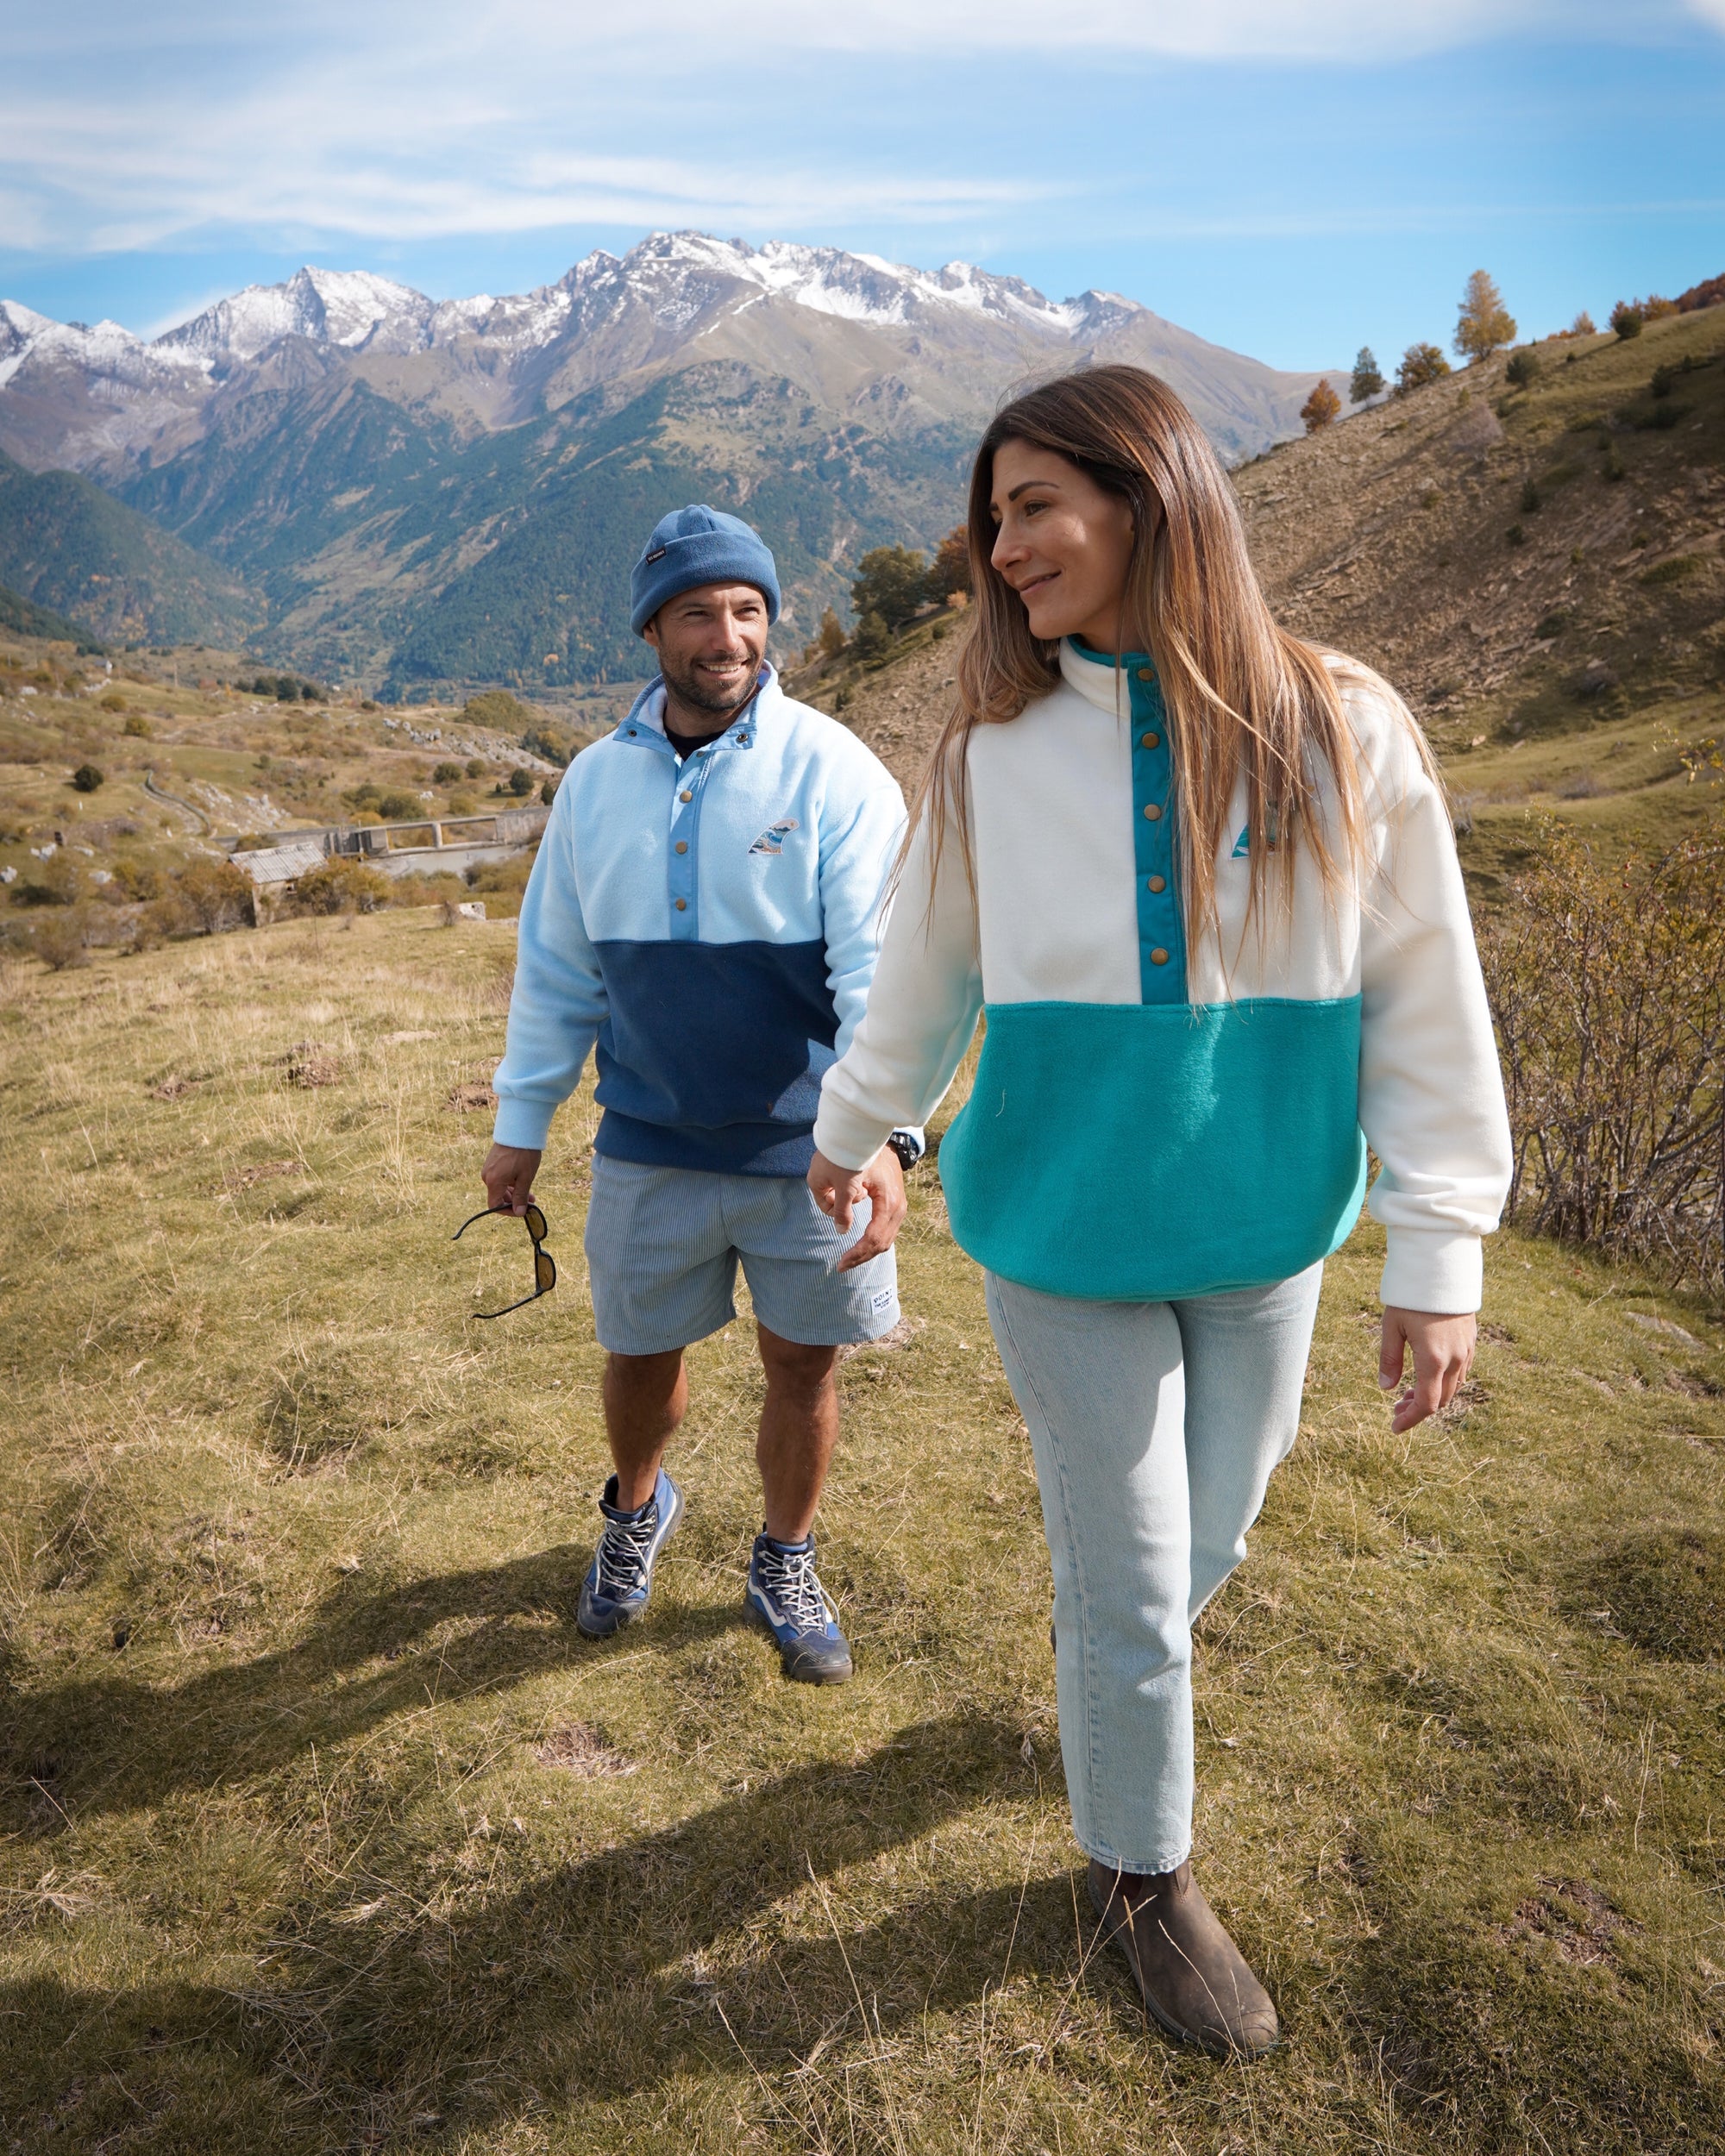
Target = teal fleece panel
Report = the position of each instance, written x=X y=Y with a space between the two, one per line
x=1125 y=1152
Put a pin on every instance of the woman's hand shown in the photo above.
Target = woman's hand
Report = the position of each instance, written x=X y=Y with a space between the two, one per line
x=1443 y=1355
x=839 y=1191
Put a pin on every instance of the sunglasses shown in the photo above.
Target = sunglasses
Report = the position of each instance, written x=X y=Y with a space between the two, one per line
x=544 y=1265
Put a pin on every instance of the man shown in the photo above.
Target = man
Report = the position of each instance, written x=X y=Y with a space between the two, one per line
x=704 y=911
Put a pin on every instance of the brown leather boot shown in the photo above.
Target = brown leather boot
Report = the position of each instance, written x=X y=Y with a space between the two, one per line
x=1194 y=1979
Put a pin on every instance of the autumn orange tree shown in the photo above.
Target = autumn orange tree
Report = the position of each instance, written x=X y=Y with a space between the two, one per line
x=950 y=571
x=1321 y=407
x=1484 y=324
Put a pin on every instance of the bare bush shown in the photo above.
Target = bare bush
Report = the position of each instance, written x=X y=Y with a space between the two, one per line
x=1608 y=987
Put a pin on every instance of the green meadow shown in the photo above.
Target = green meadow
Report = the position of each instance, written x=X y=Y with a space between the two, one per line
x=325 y=1829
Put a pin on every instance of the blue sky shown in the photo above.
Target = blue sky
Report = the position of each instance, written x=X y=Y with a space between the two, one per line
x=1290 y=179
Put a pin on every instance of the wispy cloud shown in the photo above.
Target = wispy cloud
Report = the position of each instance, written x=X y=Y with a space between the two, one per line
x=398 y=122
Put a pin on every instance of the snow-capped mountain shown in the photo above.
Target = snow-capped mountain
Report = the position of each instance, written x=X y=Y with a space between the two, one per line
x=330 y=437
x=345 y=307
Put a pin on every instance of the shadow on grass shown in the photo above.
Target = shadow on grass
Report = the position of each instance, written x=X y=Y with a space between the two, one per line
x=658 y=1961
x=113 y=1743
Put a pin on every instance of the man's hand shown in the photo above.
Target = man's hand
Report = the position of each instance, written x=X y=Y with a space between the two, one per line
x=839 y=1191
x=508 y=1177
x=1443 y=1355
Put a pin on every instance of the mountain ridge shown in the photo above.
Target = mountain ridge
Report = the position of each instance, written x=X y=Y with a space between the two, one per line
x=380 y=466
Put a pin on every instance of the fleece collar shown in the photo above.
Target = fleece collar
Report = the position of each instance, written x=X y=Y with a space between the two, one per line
x=1100 y=679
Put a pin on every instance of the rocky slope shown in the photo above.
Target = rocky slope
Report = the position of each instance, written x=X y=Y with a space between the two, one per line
x=433 y=491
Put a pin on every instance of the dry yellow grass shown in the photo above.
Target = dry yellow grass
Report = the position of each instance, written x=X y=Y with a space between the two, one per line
x=326 y=1831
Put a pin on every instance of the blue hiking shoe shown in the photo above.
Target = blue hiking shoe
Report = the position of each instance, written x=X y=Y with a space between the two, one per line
x=620 y=1577
x=785 y=1598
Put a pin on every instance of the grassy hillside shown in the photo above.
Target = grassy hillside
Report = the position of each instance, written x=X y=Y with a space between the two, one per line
x=67 y=546
x=325 y=1829
x=1565 y=673
x=182 y=758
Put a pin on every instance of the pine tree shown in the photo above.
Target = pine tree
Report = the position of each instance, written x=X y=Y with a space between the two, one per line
x=1367 y=381
x=1484 y=324
x=1321 y=407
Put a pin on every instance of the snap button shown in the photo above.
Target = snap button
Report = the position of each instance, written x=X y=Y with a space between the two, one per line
x=1151 y=741
x=682 y=845
x=1158 y=883
x=1146 y=673
x=685 y=797
x=682 y=906
x=1159 y=958
x=1152 y=812
x=742 y=741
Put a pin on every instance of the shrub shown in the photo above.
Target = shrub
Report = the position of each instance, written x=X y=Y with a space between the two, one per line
x=1523 y=368
x=1626 y=319
x=1664 y=380
x=86 y=778
x=1321 y=408
x=60 y=941
x=873 y=638
x=1551 y=625
x=1608 y=988
x=218 y=894
x=112 y=701
x=521 y=782
x=475 y=767
x=1368 y=378
x=1420 y=363
x=550 y=741
x=446 y=774
x=496 y=707
x=1530 y=496
x=1516 y=535
x=137 y=726
x=1583 y=325
x=548 y=791
x=1674 y=570
x=341 y=884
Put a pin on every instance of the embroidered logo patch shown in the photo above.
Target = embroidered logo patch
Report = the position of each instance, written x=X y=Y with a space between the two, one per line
x=1243 y=844
x=772 y=840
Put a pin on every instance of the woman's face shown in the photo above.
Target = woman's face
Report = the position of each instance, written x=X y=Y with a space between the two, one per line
x=1062 y=543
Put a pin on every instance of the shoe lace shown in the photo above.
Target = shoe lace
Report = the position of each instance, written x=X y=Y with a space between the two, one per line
x=790 y=1578
x=623 y=1552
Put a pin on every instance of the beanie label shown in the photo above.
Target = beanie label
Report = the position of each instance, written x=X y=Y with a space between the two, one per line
x=657 y=554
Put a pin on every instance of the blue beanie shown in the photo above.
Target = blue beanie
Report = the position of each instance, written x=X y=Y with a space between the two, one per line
x=698 y=545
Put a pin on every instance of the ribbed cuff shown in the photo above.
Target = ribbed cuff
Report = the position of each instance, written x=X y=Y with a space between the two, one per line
x=1434 y=1269
x=848 y=1139
x=523 y=1123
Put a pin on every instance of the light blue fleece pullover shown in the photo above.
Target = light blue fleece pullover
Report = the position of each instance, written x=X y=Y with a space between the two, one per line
x=710 y=929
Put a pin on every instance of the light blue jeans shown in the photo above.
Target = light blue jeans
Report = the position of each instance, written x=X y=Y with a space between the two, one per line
x=1156 y=1428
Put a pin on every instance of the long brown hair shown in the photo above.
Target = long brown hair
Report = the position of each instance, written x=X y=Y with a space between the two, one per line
x=1241 y=693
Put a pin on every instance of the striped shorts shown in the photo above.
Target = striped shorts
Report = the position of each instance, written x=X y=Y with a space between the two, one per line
x=663 y=1245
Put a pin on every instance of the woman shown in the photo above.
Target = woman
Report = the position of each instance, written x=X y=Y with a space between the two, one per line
x=1201 y=877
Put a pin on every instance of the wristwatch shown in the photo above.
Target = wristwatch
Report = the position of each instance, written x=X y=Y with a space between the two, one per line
x=908 y=1149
